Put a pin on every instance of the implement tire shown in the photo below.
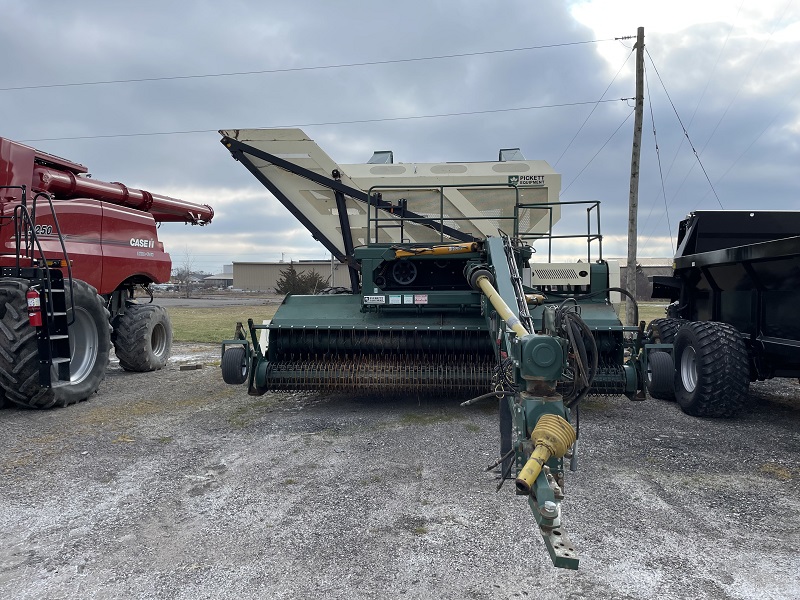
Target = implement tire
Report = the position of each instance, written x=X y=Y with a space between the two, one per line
x=660 y=377
x=235 y=366
x=712 y=370
x=143 y=337
x=90 y=344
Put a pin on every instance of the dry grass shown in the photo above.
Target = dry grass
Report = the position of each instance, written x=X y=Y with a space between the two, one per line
x=213 y=324
x=651 y=310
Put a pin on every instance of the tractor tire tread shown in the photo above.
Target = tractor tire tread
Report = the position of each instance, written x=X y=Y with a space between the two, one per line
x=664 y=330
x=723 y=372
x=133 y=338
x=19 y=352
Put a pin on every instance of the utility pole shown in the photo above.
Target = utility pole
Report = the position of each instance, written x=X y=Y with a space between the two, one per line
x=633 y=199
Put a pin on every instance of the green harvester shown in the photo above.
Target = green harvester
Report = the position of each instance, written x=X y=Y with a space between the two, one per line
x=446 y=299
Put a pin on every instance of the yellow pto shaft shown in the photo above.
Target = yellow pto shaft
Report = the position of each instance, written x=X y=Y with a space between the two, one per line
x=552 y=436
x=493 y=296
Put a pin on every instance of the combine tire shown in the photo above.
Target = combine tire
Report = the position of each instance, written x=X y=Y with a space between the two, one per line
x=234 y=365
x=90 y=344
x=660 y=375
x=663 y=331
x=143 y=337
x=712 y=370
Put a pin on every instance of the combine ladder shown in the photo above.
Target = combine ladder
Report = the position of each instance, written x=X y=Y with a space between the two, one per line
x=45 y=276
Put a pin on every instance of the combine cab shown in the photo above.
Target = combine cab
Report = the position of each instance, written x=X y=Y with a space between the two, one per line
x=445 y=300
x=72 y=252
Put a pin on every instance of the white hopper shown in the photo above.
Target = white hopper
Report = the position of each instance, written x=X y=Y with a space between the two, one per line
x=468 y=211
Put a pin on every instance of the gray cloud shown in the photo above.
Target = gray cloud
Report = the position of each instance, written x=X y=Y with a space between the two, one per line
x=750 y=158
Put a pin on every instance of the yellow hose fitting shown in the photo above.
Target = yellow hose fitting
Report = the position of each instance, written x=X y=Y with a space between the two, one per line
x=535 y=299
x=552 y=436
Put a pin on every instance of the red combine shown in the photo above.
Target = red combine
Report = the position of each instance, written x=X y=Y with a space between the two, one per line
x=73 y=251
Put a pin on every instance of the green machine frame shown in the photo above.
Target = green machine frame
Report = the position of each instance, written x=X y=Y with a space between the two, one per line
x=453 y=316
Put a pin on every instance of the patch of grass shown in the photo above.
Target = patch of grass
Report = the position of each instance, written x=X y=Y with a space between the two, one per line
x=417 y=419
x=651 y=310
x=250 y=412
x=471 y=427
x=778 y=471
x=213 y=324
x=647 y=311
x=104 y=416
x=596 y=404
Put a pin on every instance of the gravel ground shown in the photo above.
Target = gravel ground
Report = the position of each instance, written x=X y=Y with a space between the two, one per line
x=174 y=485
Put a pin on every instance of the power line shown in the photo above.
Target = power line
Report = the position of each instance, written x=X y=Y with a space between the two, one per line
x=686 y=133
x=598 y=151
x=660 y=171
x=353 y=122
x=730 y=103
x=705 y=89
x=593 y=109
x=746 y=78
x=298 y=69
x=746 y=150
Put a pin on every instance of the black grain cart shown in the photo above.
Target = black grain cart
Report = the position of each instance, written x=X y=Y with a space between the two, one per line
x=735 y=293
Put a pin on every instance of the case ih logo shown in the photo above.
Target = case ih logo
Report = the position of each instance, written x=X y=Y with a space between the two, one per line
x=142 y=243
x=522 y=180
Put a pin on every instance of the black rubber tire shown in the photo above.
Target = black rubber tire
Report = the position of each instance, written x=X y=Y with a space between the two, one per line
x=660 y=377
x=143 y=337
x=663 y=331
x=90 y=345
x=712 y=370
x=235 y=365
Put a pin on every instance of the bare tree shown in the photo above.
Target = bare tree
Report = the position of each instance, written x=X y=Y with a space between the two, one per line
x=184 y=273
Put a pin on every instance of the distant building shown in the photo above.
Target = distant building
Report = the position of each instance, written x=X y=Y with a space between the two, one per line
x=263 y=276
x=221 y=280
x=646 y=268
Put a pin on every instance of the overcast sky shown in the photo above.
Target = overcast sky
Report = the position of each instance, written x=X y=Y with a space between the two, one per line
x=731 y=69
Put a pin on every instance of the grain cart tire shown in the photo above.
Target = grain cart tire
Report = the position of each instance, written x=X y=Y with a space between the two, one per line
x=660 y=377
x=143 y=337
x=234 y=365
x=663 y=331
x=90 y=344
x=712 y=370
